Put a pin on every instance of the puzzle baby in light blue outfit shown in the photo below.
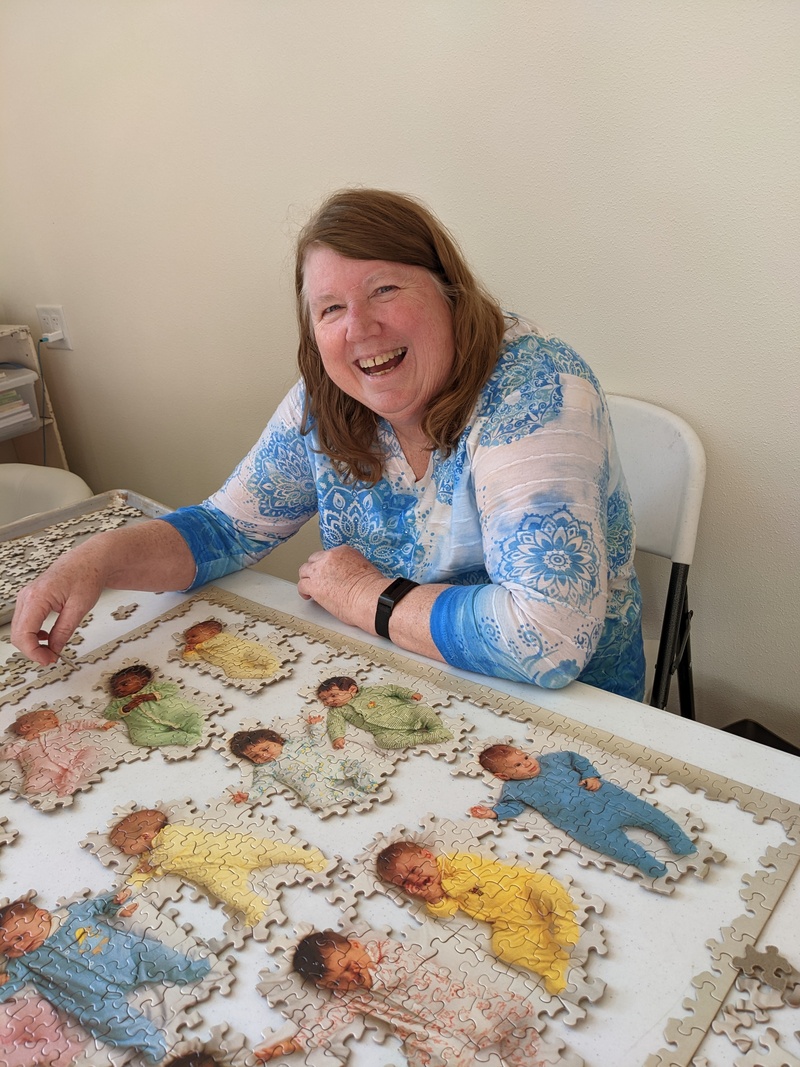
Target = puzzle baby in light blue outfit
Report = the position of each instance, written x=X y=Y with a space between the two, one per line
x=82 y=964
x=568 y=791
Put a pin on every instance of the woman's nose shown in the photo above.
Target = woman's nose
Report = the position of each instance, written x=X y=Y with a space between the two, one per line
x=361 y=322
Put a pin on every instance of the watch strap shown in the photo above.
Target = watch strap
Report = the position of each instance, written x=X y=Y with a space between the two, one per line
x=388 y=600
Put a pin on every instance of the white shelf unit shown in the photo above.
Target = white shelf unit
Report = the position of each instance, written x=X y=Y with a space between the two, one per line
x=17 y=346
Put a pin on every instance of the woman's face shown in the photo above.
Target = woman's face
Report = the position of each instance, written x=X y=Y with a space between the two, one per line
x=384 y=331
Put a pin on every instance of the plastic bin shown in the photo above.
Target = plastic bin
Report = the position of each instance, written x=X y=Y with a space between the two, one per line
x=19 y=412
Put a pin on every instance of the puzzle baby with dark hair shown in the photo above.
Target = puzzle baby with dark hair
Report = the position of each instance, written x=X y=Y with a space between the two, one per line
x=238 y=858
x=51 y=750
x=157 y=711
x=389 y=712
x=443 y=1002
x=126 y=973
x=245 y=654
x=551 y=789
x=296 y=758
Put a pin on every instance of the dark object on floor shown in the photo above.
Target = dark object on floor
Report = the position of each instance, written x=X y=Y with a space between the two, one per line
x=753 y=731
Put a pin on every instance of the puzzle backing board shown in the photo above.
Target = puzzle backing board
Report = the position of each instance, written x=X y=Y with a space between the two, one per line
x=651 y=979
x=32 y=543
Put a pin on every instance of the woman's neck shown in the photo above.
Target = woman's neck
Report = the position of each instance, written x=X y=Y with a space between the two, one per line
x=416 y=448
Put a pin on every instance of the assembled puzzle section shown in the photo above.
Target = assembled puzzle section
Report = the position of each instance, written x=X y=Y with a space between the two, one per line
x=478 y=877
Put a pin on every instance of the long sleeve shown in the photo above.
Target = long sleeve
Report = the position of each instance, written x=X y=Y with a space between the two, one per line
x=269 y=496
x=508 y=806
x=546 y=481
x=581 y=765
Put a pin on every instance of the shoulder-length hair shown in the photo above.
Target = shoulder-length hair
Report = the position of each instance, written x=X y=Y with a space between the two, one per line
x=376 y=224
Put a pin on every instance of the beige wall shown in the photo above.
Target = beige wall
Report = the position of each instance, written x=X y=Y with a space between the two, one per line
x=625 y=172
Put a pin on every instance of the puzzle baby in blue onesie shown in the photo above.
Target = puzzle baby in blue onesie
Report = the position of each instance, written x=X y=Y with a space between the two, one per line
x=80 y=963
x=568 y=791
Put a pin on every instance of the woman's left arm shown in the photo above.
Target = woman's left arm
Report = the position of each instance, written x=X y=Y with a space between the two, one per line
x=347 y=585
x=541 y=472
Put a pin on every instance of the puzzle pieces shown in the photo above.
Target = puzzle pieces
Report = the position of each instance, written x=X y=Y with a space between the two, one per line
x=600 y=958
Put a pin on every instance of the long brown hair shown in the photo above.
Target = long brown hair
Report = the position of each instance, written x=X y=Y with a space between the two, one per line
x=376 y=224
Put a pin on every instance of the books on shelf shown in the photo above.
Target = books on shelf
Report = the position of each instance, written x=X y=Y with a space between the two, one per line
x=17 y=416
x=13 y=408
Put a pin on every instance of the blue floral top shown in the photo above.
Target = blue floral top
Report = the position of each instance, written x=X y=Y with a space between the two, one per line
x=528 y=520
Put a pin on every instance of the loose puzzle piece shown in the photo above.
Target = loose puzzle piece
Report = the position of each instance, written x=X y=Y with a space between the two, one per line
x=767 y=1053
x=124 y=611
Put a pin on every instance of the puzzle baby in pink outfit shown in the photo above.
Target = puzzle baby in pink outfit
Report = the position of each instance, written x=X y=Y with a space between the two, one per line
x=45 y=753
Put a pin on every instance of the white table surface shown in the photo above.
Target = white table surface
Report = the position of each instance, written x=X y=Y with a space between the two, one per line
x=610 y=1034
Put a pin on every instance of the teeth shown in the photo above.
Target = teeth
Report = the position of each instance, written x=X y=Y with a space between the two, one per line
x=378 y=361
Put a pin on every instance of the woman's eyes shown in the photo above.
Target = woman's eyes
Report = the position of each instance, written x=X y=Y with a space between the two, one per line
x=381 y=290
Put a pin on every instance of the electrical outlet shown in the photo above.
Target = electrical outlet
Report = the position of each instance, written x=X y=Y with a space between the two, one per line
x=51 y=318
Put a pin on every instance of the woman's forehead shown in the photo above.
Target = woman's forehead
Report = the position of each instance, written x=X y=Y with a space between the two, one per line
x=327 y=273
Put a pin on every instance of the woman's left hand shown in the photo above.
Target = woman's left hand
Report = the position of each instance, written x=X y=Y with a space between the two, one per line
x=343 y=582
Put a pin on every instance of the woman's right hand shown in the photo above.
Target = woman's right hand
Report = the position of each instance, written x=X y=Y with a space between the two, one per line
x=150 y=556
x=70 y=588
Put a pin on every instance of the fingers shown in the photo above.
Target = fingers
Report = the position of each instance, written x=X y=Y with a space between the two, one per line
x=27 y=633
x=68 y=591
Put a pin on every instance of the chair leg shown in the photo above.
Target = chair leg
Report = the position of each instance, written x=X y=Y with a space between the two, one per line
x=685 y=677
x=675 y=647
x=671 y=634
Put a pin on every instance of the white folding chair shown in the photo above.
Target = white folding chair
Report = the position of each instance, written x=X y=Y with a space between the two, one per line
x=665 y=468
x=27 y=489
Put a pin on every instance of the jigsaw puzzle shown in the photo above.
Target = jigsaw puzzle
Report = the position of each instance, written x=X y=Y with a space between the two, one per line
x=324 y=854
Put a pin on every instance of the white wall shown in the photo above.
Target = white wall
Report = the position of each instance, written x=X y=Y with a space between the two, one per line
x=626 y=173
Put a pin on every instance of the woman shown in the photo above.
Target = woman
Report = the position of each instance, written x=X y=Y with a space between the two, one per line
x=444 y=445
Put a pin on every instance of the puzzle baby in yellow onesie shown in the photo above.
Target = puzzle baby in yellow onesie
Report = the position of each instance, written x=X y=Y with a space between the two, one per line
x=531 y=914
x=218 y=861
x=237 y=657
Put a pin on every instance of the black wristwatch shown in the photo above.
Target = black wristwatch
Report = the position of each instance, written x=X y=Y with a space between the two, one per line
x=387 y=601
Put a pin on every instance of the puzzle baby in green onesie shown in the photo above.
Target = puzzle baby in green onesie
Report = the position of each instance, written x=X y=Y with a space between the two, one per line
x=218 y=861
x=396 y=717
x=531 y=914
x=155 y=713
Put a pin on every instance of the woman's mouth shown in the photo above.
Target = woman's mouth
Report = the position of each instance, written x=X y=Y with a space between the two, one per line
x=377 y=365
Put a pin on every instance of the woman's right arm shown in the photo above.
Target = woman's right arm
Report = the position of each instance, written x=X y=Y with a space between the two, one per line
x=266 y=499
x=150 y=556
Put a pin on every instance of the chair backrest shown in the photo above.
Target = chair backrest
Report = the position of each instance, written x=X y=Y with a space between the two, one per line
x=26 y=489
x=665 y=468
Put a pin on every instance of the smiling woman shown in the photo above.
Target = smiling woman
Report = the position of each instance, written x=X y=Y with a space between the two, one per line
x=463 y=467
